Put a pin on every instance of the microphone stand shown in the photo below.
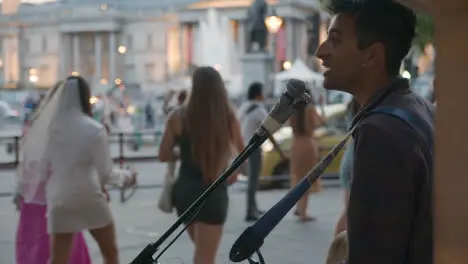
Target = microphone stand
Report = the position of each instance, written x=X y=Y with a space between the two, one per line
x=146 y=255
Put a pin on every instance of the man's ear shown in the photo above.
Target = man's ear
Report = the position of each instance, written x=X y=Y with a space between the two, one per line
x=373 y=55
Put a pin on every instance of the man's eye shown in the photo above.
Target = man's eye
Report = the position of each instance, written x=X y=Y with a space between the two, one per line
x=334 y=40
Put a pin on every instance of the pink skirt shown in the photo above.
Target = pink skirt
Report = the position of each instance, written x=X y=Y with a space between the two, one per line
x=32 y=240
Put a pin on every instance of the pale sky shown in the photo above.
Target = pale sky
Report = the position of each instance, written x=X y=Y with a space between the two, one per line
x=34 y=1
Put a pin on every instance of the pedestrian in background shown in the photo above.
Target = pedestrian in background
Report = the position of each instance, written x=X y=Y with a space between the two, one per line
x=32 y=239
x=206 y=131
x=62 y=153
x=251 y=115
x=304 y=149
x=167 y=110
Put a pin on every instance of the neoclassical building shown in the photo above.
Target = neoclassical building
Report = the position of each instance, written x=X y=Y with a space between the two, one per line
x=145 y=43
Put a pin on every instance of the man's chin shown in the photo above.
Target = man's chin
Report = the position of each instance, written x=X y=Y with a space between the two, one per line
x=332 y=86
x=327 y=84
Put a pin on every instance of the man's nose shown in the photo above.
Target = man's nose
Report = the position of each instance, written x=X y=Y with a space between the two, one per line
x=321 y=52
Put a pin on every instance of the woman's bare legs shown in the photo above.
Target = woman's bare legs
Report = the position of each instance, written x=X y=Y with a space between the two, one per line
x=302 y=204
x=207 y=239
x=105 y=238
x=302 y=209
x=60 y=247
x=341 y=225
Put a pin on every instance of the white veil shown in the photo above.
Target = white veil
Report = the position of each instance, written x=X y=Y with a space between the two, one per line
x=56 y=140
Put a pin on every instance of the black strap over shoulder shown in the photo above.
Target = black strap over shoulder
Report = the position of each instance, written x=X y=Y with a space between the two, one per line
x=415 y=122
x=251 y=108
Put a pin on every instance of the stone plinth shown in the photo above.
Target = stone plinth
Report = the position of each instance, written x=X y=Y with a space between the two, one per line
x=257 y=67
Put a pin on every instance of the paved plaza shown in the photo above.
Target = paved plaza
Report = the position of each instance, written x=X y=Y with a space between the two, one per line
x=139 y=222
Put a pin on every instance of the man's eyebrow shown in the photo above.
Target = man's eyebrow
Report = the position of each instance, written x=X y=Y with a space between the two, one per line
x=334 y=30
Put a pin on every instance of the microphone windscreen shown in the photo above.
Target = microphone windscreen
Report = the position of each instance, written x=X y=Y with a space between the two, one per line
x=296 y=88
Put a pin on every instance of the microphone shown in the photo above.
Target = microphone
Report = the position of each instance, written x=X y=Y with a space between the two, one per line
x=294 y=96
x=284 y=108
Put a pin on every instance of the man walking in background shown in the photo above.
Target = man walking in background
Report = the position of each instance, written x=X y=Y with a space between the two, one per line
x=251 y=114
x=181 y=98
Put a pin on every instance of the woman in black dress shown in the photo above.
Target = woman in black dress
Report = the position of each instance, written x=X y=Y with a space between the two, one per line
x=206 y=132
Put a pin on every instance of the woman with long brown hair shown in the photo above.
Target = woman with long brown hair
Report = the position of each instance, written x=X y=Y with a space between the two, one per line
x=304 y=150
x=206 y=131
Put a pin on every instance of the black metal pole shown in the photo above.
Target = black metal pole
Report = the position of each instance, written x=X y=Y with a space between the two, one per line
x=17 y=150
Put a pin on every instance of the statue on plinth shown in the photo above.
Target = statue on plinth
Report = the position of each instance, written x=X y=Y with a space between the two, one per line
x=256 y=27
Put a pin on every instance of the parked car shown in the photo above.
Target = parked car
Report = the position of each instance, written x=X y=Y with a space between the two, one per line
x=275 y=171
x=8 y=115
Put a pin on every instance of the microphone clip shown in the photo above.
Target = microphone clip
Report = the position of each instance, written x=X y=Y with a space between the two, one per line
x=260 y=260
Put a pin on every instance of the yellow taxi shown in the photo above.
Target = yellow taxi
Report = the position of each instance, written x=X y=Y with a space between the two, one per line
x=275 y=172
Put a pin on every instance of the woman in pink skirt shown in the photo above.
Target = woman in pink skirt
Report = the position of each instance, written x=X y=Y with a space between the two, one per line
x=32 y=240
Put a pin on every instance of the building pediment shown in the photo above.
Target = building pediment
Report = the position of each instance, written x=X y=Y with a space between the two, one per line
x=90 y=19
x=9 y=31
x=237 y=9
x=225 y=4
x=90 y=13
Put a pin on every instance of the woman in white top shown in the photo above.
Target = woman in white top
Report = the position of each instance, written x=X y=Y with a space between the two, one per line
x=67 y=151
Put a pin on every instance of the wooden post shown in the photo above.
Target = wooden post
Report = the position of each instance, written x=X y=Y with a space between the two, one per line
x=451 y=166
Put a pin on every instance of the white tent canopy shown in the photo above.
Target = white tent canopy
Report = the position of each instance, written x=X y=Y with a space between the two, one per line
x=299 y=70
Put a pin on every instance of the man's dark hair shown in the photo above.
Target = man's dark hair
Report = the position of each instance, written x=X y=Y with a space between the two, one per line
x=255 y=90
x=383 y=21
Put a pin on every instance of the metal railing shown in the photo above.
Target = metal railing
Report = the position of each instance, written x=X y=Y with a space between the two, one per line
x=127 y=143
x=124 y=147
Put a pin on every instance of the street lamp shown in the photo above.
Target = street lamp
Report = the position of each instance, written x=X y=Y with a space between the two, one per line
x=33 y=78
x=122 y=49
x=287 y=65
x=273 y=23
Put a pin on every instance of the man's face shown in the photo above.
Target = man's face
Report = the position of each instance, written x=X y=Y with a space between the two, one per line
x=340 y=55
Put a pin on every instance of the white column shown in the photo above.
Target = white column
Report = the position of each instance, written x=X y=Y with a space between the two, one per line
x=112 y=61
x=98 y=57
x=22 y=71
x=241 y=35
x=182 y=47
x=11 y=59
x=63 y=62
x=6 y=60
x=15 y=63
x=290 y=53
x=76 y=53
x=301 y=40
